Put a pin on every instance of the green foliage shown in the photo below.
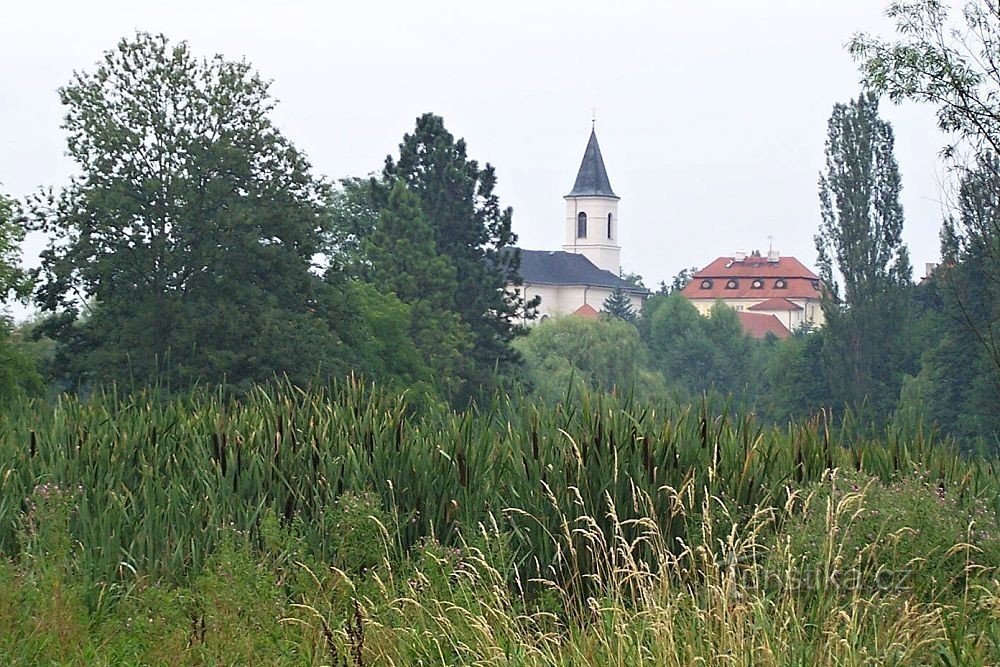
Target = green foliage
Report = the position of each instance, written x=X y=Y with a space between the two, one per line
x=401 y=258
x=360 y=528
x=577 y=354
x=190 y=231
x=860 y=240
x=472 y=230
x=14 y=281
x=595 y=532
x=797 y=382
x=944 y=63
x=698 y=353
x=19 y=375
x=905 y=535
x=619 y=306
x=948 y=63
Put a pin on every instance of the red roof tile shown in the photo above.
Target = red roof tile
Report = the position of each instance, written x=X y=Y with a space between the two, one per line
x=776 y=304
x=758 y=325
x=753 y=278
x=586 y=310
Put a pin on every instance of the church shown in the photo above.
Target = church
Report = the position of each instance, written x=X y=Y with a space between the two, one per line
x=577 y=279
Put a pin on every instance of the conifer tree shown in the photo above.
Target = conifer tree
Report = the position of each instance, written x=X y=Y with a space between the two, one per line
x=473 y=230
x=619 y=305
x=401 y=258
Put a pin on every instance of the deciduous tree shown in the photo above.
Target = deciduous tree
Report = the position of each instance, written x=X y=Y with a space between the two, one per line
x=863 y=262
x=187 y=239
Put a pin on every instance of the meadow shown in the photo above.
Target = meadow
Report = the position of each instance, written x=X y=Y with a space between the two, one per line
x=336 y=525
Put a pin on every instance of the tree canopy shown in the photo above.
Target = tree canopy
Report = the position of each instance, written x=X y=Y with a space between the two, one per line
x=864 y=265
x=184 y=248
x=473 y=231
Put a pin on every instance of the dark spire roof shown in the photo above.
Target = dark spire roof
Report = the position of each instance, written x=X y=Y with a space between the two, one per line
x=592 y=179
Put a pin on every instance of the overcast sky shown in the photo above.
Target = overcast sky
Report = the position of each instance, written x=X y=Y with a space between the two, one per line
x=711 y=114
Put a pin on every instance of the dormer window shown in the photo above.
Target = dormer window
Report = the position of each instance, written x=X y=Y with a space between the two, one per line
x=780 y=283
x=732 y=284
x=609 y=225
x=581 y=225
x=757 y=284
x=706 y=284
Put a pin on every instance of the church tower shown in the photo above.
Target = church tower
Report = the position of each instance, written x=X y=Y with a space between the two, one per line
x=592 y=213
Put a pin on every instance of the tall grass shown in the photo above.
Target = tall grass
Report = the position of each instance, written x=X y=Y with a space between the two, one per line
x=342 y=528
x=157 y=479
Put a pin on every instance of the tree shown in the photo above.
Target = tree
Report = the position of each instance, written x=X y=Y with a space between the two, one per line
x=960 y=307
x=18 y=374
x=618 y=305
x=679 y=281
x=860 y=245
x=951 y=65
x=184 y=249
x=695 y=353
x=574 y=353
x=401 y=258
x=14 y=280
x=474 y=233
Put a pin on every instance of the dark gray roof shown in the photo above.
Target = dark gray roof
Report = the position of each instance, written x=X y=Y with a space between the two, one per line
x=592 y=179
x=568 y=268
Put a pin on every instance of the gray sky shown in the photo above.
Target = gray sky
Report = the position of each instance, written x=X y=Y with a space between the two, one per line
x=711 y=114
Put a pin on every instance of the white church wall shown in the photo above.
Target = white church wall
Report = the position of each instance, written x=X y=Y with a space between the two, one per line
x=564 y=300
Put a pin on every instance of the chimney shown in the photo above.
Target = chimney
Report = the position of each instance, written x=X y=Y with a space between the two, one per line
x=739 y=256
x=773 y=256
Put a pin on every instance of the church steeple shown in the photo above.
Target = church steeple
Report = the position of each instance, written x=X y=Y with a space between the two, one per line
x=592 y=212
x=592 y=179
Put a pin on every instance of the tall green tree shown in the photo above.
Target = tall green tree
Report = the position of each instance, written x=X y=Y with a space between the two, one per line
x=473 y=231
x=183 y=250
x=401 y=258
x=948 y=59
x=863 y=262
x=960 y=305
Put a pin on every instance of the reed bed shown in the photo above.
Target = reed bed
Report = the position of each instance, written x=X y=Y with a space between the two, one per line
x=599 y=531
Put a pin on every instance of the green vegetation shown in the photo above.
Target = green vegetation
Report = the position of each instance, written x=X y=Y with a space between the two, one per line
x=264 y=419
x=338 y=527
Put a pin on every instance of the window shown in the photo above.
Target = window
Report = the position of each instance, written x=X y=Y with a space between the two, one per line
x=732 y=284
x=757 y=284
x=609 y=225
x=581 y=225
x=706 y=284
x=780 y=283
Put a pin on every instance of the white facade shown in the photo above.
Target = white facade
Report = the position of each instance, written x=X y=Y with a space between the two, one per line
x=595 y=234
x=567 y=299
x=811 y=313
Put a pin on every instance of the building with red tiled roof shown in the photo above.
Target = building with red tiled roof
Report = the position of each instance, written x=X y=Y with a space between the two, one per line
x=767 y=285
x=759 y=325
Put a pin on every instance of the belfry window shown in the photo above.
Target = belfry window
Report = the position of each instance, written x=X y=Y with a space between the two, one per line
x=609 y=225
x=581 y=225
